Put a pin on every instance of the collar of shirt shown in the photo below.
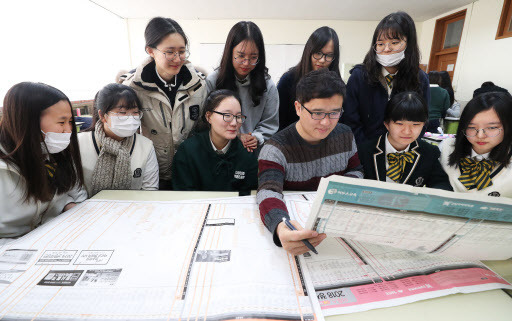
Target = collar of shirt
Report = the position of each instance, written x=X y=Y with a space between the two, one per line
x=220 y=151
x=384 y=74
x=243 y=82
x=166 y=84
x=479 y=157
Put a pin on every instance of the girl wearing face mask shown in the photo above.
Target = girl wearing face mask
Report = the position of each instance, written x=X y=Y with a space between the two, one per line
x=40 y=168
x=216 y=160
x=171 y=90
x=399 y=156
x=113 y=155
x=242 y=70
x=322 y=50
x=390 y=66
x=478 y=159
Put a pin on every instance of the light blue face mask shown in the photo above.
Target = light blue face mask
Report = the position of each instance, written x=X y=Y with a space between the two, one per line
x=55 y=142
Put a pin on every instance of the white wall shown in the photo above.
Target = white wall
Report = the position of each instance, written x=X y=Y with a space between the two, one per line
x=73 y=45
x=481 y=57
x=355 y=36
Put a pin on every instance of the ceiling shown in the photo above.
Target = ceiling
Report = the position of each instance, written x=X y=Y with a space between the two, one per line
x=362 y=10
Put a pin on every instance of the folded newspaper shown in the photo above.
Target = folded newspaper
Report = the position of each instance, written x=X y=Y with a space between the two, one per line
x=421 y=219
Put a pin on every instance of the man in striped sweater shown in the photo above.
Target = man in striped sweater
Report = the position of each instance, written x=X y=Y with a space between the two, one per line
x=297 y=157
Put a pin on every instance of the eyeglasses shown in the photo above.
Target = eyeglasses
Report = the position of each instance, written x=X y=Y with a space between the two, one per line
x=394 y=46
x=170 y=55
x=240 y=59
x=489 y=131
x=319 y=115
x=124 y=116
x=229 y=117
x=319 y=55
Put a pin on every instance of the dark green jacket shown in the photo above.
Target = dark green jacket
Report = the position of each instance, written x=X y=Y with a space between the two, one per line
x=197 y=167
x=424 y=171
x=439 y=103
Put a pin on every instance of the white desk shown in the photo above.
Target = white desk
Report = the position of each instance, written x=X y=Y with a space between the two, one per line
x=495 y=305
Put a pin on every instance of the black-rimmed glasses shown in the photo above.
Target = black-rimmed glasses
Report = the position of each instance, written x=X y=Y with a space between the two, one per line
x=319 y=115
x=228 y=117
x=328 y=57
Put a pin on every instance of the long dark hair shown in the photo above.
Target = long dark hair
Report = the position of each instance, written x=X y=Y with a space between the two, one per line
x=21 y=137
x=158 y=28
x=502 y=105
x=408 y=105
x=397 y=25
x=318 y=39
x=446 y=83
x=109 y=96
x=244 y=31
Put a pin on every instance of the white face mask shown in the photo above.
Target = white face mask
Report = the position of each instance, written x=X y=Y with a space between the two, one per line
x=55 y=142
x=124 y=128
x=391 y=60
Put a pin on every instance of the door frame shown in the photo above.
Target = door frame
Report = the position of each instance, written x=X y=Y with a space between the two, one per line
x=439 y=37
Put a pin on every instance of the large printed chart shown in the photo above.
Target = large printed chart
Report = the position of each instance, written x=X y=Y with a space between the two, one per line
x=413 y=218
x=123 y=260
x=352 y=276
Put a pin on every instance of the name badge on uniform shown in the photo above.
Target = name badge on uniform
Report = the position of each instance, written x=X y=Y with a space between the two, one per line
x=239 y=175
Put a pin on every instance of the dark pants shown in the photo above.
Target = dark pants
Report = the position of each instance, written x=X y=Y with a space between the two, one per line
x=432 y=125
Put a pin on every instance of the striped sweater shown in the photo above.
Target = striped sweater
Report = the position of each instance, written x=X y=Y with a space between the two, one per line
x=288 y=162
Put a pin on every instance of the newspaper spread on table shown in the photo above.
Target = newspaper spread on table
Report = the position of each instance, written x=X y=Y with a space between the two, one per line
x=353 y=276
x=459 y=225
x=129 y=260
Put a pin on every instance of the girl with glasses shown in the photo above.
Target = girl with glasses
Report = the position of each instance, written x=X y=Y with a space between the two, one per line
x=478 y=159
x=113 y=155
x=216 y=160
x=322 y=50
x=40 y=168
x=390 y=66
x=170 y=90
x=400 y=156
x=242 y=70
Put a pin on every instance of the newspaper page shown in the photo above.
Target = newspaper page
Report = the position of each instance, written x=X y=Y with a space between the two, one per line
x=127 y=260
x=412 y=218
x=353 y=276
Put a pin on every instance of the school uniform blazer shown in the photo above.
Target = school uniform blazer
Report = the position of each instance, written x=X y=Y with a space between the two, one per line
x=365 y=104
x=424 y=171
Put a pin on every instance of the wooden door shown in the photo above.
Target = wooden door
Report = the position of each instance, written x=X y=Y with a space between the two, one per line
x=445 y=44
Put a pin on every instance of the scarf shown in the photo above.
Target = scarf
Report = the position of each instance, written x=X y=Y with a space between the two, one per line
x=112 y=170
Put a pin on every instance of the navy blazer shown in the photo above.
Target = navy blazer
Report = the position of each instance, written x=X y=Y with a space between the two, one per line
x=426 y=170
x=365 y=104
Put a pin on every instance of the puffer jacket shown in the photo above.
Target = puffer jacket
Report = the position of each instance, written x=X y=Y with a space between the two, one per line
x=166 y=126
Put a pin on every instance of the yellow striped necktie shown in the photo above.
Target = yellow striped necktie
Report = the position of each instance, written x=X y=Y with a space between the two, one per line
x=397 y=162
x=389 y=80
x=476 y=173
x=50 y=168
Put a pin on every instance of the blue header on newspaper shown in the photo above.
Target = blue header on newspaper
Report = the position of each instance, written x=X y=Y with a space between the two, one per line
x=407 y=201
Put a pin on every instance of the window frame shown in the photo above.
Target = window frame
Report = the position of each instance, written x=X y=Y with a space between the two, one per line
x=505 y=21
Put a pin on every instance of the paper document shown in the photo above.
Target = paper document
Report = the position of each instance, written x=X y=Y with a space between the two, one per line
x=126 y=260
x=353 y=276
x=412 y=218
